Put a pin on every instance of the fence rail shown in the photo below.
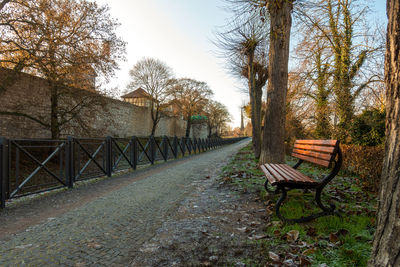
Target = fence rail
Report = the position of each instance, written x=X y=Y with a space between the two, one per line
x=31 y=166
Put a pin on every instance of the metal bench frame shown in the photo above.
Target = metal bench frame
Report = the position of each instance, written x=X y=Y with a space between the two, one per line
x=318 y=187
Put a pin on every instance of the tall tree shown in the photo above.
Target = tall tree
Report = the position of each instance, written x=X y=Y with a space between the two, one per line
x=190 y=97
x=55 y=39
x=154 y=76
x=386 y=245
x=273 y=146
x=244 y=45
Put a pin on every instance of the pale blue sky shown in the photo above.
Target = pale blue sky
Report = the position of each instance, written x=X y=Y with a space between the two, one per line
x=179 y=32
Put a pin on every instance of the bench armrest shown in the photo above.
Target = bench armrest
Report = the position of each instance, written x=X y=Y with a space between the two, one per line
x=298 y=164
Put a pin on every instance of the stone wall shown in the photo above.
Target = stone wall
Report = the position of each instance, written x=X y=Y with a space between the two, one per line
x=30 y=95
x=199 y=130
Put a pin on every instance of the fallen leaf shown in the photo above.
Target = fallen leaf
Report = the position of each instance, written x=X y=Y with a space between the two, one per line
x=243 y=229
x=273 y=256
x=258 y=237
x=342 y=232
x=309 y=251
x=292 y=235
x=311 y=231
x=304 y=262
x=94 y=245
x=277 y=233
x=333 y=238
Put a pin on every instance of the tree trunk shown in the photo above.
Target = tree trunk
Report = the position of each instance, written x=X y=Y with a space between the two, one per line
x=155 y=117
x=386 y=246
x=255 y=105
x=273 y=147
x=54 y=125
x=188 y=126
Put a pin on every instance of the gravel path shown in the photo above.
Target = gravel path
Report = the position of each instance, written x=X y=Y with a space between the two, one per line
x=107 y=225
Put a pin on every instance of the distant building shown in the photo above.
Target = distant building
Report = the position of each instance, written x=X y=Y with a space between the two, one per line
x=139 y=97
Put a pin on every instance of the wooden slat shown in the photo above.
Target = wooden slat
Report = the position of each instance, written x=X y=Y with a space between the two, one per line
x=276 y=174
x=318 y=142
x=313 y=154
x=306 y=178
x=270 y=178
x=295 y=177
x=321 y=162
x=325 y=149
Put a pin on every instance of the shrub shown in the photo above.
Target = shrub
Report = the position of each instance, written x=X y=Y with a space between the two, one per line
x=369 y=128
x=364 y=161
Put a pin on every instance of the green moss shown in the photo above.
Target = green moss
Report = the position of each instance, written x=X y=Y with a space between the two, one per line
x=354 y=230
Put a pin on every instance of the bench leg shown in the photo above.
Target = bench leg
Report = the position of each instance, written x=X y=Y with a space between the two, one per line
x=326 y=211
x=319 y=203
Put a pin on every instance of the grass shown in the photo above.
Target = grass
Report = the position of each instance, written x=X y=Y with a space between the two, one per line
x=331 y=240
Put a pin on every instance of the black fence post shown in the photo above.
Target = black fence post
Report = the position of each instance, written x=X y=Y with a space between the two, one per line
x=69 y=161
x=183 y=146
x=194 y=143
x=175 y=146
x=108 y=144
x=152 y=149
x=165 y=148
x=4 y=146
x=134 y=152
x=189 y=145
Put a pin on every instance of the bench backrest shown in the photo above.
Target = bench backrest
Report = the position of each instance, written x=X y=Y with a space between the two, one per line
x=320 y=152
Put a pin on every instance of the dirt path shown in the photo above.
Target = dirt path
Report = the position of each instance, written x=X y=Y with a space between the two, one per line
x=115 y=222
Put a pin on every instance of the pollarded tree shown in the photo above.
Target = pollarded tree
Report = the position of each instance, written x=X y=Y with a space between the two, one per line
x=56 y=40
x=244 y=45
x=155 y=77
x=386 y=245
x=189 y=97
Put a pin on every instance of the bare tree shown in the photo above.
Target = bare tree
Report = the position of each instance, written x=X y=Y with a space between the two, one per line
x=244 y=45
x=189 y=97
x=386 y=245
x=154 y=76
x=57 y=40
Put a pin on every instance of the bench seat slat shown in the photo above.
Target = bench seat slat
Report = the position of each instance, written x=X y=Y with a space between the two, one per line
x=282 y=173
x=290 y=177
x=325 y=163
x=318 y=142
x=296 y=173
x=270 y=178
x=325 y=149
x=313 y=154
x=274 y=173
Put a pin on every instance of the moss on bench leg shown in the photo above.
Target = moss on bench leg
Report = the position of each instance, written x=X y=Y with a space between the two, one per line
x=326 y=211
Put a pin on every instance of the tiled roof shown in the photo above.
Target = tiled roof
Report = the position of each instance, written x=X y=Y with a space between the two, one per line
x=138 y=93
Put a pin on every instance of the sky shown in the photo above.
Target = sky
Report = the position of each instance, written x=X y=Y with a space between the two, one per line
x=180 y=33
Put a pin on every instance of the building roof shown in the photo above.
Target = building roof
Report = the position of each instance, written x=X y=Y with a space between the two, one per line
x=138 y=93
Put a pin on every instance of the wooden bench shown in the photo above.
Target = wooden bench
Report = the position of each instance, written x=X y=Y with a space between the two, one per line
x=325 y=153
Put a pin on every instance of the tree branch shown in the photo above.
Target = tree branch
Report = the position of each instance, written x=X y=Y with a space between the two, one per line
x=20 y=114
